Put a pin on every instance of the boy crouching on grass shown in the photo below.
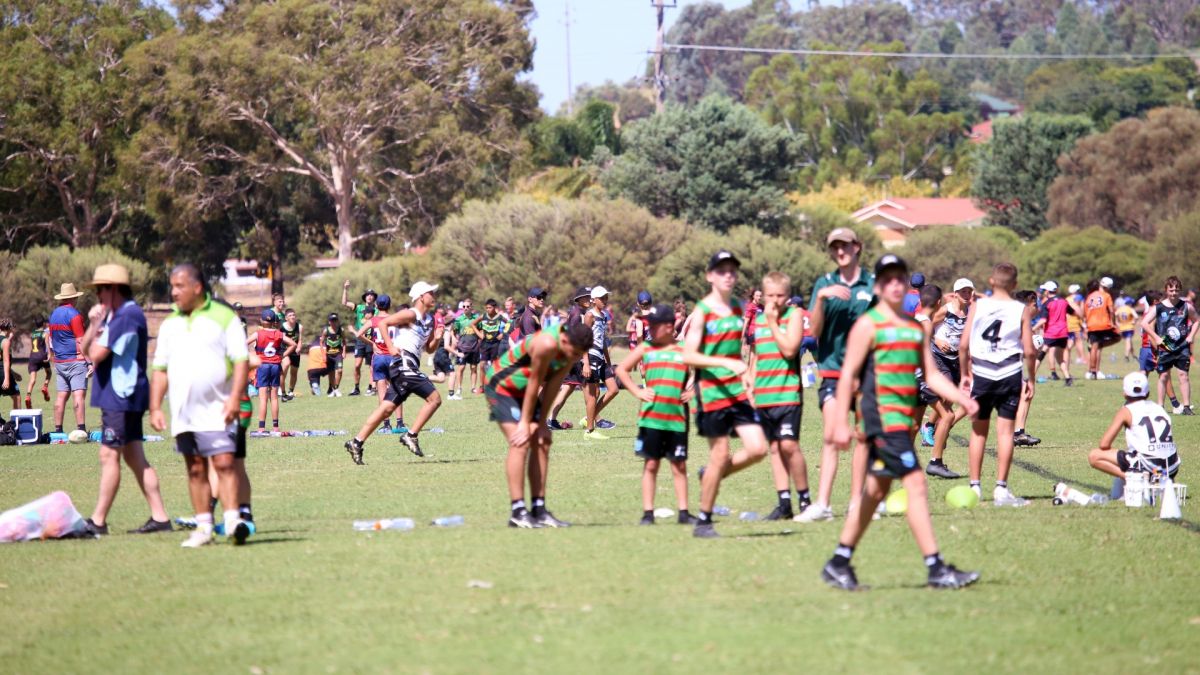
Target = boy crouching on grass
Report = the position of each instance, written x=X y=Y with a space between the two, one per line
x=662 y=422
x=882 y=354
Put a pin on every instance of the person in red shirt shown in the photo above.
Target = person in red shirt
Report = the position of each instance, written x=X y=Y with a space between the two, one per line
x=754 y=305
x=271 y=346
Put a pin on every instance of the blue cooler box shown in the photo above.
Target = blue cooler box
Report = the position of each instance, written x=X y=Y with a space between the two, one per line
x=29 y=425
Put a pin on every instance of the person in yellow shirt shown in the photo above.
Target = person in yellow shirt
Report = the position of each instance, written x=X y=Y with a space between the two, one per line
x=1126 y=319
x=318 y=366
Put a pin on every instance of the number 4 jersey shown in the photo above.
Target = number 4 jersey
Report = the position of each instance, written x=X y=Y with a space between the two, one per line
x=996 y=350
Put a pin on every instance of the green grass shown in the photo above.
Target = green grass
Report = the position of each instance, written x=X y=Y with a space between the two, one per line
x=1064 y=589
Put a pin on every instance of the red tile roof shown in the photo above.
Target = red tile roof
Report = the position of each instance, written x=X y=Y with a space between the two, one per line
x=924 y=211
x=982 y=132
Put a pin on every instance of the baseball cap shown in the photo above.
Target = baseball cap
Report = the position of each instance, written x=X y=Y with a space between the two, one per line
x=720 y=257
x=537 y=292
x=268 y=315
x=843 y=234
x=1106 y=282
x=1136 y=385
x=582 y=292
x=660 y=314
x=1073 y=288
x=917 y=280
x=599 y=291
x=644 y=298
x=333 y=317
x=1050 y=286
x=383 y=302
x=963 y=283
x=888 y=262
x=369 y=291
x=797 y=300
x=421 y=288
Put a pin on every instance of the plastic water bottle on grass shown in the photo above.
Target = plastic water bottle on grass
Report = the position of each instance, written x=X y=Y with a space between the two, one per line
x=447 y=521
x=749 y=516
x=721 y=510
x=384 y=524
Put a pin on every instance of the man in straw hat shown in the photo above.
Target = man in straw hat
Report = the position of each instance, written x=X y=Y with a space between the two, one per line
x=116 y=342
x=71 y=368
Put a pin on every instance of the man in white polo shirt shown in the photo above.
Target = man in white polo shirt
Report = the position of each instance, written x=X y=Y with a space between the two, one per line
x=201 y=357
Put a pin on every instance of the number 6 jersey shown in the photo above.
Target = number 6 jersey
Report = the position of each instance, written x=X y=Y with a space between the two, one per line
x=996 y=350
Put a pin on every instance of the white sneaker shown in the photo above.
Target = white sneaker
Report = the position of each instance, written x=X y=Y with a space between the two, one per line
x=1090 y=376
x=814 y=513
x=1101 y=376
x=201 y=536
x=1177 y=410
x=337 y=393
x=978 y=491
x=1001 y=496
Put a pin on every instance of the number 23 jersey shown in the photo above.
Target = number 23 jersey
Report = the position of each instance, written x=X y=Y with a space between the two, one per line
x=996 y=350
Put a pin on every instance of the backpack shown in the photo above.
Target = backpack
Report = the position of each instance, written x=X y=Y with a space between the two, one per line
x=8 y=433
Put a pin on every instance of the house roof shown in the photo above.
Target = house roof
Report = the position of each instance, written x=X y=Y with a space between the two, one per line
x=981 y=133
x=912 y=212
x=998 y=105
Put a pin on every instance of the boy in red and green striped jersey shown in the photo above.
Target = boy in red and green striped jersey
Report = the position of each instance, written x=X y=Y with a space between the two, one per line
x=713 y=346
x=883 y=352
x=520 y=389
x=775 y=366
x=662 y=422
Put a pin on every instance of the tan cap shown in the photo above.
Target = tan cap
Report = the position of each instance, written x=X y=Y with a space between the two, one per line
x=110 y=275
x=843 y=234
x=67 y=292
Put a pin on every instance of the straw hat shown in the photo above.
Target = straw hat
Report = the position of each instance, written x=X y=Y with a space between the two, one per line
x=110 y=275
x=67 y=292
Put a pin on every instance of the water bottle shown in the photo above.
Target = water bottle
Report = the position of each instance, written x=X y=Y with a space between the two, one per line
x=385 y=524
x=153 y=439
x=1041 y=379
x=433 y=430
x=1097 y=499
x=95 y=435
x=721 y=510
x=749 y=516
x=447 y=521
x=1071 y=496
x=58 y=437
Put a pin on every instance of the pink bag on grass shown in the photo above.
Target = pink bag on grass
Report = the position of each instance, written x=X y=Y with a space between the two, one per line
x=51 y=517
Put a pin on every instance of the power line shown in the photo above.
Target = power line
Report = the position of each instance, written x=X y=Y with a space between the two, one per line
x=922 y=55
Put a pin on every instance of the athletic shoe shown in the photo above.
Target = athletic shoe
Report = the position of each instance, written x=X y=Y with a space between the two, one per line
x=705 y=530
x=316 y=389
x=410 y=441
x=355 y=449
x=1002 y=496
x=285 y=397
x=1089 y=376
x=337 y=393
x=521 y=519
x=940 y=470
x=28 y=401
x=240 y=532
x=927 y=436
x=94 y=529
x=371 y=390
x=647 y=520
x=455 y=397
x=1069 y=382
x=1101 y=376
x=949 y=577
x=1187 y=410
x=477 y=390
x=781 y=513
x=201 y=537
x=689 y=519
x=553 y=425
x=151 y=526
x=605 y=424
x=595 y=436
x=186 y=523
x=814 y=513
x=1054 y=375
x=547 y=519
x=46 y=393
x=1025 y=439
x=355 y=392
x=839 y=576
x=977 y=490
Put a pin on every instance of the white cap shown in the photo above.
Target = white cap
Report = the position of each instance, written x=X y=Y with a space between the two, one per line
x=1106 y=282
x=421 y=288
x=1136 y=385
x=1050 y=286
x=1073 y=288
x=599 y=291
x=963 y=283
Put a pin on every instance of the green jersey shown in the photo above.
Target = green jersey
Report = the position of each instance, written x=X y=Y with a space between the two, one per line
x=889 y=376
x=666 y=375
x=776 y=379
x=359 y=309
x=839 y=317
x=333 y=341
x=493 y=328
x=37 y=342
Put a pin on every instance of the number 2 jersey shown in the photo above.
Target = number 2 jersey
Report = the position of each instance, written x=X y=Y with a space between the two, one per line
x=1150 y=435
x=996 y=350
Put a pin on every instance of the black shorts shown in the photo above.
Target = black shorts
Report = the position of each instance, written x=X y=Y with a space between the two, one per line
x=1179 y=360
x=828 y=390
x=315 y=374
x=724 y=422
x=892 y=455
x=504 y=408
x=334 y=361
x=1052 y=343
x=925 y=395
x=780 y=422
x=14 y=387
x=239 y=444
x=1103 y=338
x=467 y=359
x=660 y=444
x=948 y=367
x=294 y=360
x=574 y=376
x=120 y=427
x=1127 y=460
x=601 y=371
x=405 y=379
x=362 y=350
x=1001 y=396
x=490 y=351
x=441 y=361
x=39 y=362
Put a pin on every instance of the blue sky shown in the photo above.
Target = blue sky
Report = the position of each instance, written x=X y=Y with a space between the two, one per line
x=610 y=40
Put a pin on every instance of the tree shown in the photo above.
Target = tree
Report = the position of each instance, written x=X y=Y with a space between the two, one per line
x=812 y=224
x=1133 y=177
x=944 y=254
x=567 y=141
x=319 y=296
x=62 y=122
x=1068 y=255
x=1015 y=169
x=716 y=164
x=1109 y=94
x=1175 y=251
x=30 y=281
x=403 y=105
x=632 y=100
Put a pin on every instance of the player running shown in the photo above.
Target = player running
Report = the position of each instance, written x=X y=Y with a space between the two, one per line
x=1057 y=331
x=1171 y=327
x=39 y=360
x=882 y=354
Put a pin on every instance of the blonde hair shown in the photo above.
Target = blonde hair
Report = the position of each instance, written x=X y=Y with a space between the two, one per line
x=1004 y=275
x=778 y=279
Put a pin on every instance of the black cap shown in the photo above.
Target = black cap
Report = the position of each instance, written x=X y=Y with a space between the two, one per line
x=720 y=257
x=369 y=291
x=889 y=261
x=333 y=317
x=582 y=292
x=536 y=292
x=660 y=314
x=797 y=300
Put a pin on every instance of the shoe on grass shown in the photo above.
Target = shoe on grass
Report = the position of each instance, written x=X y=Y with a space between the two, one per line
x=940 y=470
x=814 y=514
x=199 y=537
x=595 y=436
x=152 y=525
x=546 y=519
x=522 y=520
x=840 y=576
x=605 y=424
x=94 y=529
x=781 y=513
x=1002 y=496
x=647 y=520
x=705 y=531
x=949 y=577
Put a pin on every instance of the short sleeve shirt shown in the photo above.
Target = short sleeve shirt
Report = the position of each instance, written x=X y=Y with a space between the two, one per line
x=839 y=318
x=120 y=380
x=66 y=324
x=530 y=322
x=198 y=351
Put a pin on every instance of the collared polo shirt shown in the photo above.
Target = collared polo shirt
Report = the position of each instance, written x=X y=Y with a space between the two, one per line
x=198 y=351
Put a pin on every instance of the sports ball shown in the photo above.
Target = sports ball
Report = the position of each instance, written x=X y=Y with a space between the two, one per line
x=962 y=497
x=77 y=436
x=663 y=512
x=897 y=502
x=1038 y=341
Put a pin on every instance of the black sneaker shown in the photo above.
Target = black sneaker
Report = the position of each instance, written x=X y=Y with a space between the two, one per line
x=705 y=531
x=840 y=576
x=1024 y=439
x=1070 y=381
x=94 y=529
x=546 y=519
x=688 y=519
x=371 y=390
x=1187 y=410
x=781 y=513
x=410 y=441
x=152 y=525
x=948 y=577
x=241 y=533
x=553 y=425
x=1054 y=375
x=521 y=519
x=605 y=424
x=941 y=471
x=647 y=520
x=355 y=449
x=355 y=392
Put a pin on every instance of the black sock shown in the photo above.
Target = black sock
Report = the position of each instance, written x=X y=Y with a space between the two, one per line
x=785 y=500
x=539 y=505
x=274 y=424
x=262 y=424
x=1174 y=402
x=842 y=555
x=803 y=497
x=935 y=460
x=244 y=512
x=58 y=429
x=518 y=505
x=934 y=562
x=648 y=514
x=81 y=427
x=684 y=515
x=706 y=516
x=1002 y=484
x=1019 y=431
x=212 y=505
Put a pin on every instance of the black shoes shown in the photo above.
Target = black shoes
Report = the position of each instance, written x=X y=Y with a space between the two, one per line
x=355 y=392
x=94 y=529
x=647 y=520
x=705 y=530
x=521 y=519
x=544 y=518
x=840 y=576
x=150 y=526
x=948 y=577
x=1187 y=410
x=1070 y=381
x=553 y=425
x=940 y=470
x=240 y=533
x=410 y=441
x=781 y=513
x=355 y=449
x=688 y=519
x=1024 y=439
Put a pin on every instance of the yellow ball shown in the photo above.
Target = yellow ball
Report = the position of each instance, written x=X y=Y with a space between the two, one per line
x=897 y=502
x=962 y=497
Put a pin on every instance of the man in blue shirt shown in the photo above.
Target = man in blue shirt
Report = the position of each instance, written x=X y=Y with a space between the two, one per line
x=116 y=343
x=71 y=368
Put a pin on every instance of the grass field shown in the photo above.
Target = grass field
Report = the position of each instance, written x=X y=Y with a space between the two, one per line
x=1064 y=589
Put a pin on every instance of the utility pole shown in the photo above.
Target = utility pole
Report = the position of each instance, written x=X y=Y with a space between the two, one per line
x=660 y=77
x=570 y=86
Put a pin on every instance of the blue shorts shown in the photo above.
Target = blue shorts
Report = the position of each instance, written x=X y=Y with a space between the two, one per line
x=1127 y=334
x=808 y=344
x=267 y=375
x=379 y=367
x=1146 y=360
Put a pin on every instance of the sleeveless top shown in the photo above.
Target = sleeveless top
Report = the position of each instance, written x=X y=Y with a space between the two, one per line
x=269 y=345
x=1171 y=324
x=889 y=377
x=1098 y=311
x=666 y=376
x=776 y=379
x=1056 y=319
x=599 y=333
x=411 y=339
x=719 y=388
x=1149 y=433
x=378 y=342
x=292 y=333
x=37 y=343
x=996 y=350
x=950 y=331
x=509 y=374
x=333 y=341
